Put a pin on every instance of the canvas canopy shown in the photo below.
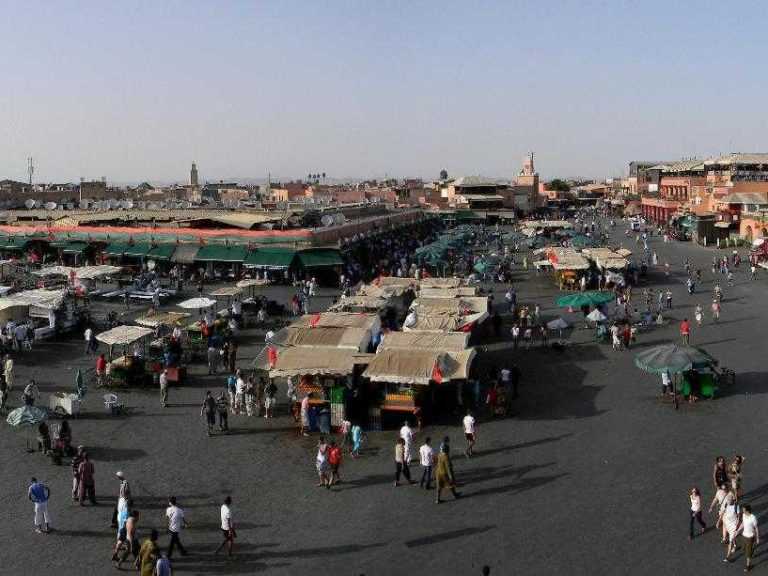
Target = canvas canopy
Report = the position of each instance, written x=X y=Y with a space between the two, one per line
x=446 y=342
x=447 y=322
x=302 y=360
x=324 y=337
x=40 y=298
x=226 y=291
x=458 y=292
x=82 y=272
x=123 y=335
x=370 y=322
x=418 y=366
x=359 y=303
x=162 y=319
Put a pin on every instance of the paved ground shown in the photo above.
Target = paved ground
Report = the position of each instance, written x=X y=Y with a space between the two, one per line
x=590 y=477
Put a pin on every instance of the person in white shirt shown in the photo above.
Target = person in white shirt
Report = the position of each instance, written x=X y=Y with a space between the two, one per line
x=426 y=459
x=666 y=383
x=468 y=424
x=176 y=522
x=695 y=497
x=239 y=393
x=87 y=336
x=164 y=388
x=730 y=517
x=406 y=433
x=227 y=527
x=750 y=534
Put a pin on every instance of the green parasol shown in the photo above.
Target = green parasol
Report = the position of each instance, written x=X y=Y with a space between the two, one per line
x=579 y=299
x=26 y=417
x=673 y=359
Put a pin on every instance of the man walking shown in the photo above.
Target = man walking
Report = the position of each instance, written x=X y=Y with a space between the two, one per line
x=750 y=534
x=427 y=459
x=209 y=410
x=176 y=522
x=87 y=472
x=406 y=433
x=685 y=331
x=227 y=527
x=444 y=477
x=164 y=388
x=469 y=433
x=39 y=494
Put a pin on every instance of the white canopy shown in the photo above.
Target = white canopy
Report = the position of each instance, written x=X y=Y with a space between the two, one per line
x=123 y=335
x=596 y=316
x=197 y=303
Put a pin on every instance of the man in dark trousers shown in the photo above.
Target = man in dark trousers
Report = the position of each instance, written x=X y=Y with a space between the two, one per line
x=176 y=522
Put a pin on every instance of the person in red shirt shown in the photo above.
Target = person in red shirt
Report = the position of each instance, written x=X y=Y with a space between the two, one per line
x=334 y=459
x=685 y=331
x=101 y=369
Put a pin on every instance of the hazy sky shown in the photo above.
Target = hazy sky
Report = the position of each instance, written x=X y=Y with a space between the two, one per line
x=137 y=90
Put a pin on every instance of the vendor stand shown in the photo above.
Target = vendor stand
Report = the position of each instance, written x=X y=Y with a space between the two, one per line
x=693 y=372
x=129 y=369
x=166 y=351
x=411 y=381
x=325 y=373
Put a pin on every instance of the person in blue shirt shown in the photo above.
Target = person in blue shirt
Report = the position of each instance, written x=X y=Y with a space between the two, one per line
x=163 y=566
x=39 y=494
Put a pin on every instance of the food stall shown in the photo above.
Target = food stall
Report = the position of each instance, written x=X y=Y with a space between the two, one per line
x=46 y=310
x=130 y=368
x=164 y=350
x=414 y=381
x=323 y=372
x=447 y=314
x=569 y=266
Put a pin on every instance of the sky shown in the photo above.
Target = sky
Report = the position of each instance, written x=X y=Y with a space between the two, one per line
x=138 y=90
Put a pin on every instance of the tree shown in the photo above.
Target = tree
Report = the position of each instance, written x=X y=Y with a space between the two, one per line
x=559 y=185
x=443 y=174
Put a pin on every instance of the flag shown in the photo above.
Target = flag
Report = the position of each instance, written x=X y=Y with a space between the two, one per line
x=272 y=356
x=314 y=321
x=437 y=374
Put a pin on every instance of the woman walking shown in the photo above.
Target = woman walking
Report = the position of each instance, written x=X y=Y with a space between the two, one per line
x=735 y=474
x=731 y=521
x=695 y=515
x=401 y=462
x=719 y=473
x=720 y=500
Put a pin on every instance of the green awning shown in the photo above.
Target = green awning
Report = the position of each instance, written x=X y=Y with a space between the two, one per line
x=221 y=253
x=270 y=258
x=161 y=252
x=320 y=258
x=13 y=243
x=468 y=215
x=138 y=249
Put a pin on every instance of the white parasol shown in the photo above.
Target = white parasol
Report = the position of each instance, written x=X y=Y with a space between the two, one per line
x=596 y=316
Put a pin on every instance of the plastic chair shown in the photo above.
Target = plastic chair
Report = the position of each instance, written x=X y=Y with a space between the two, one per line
x=111 y=404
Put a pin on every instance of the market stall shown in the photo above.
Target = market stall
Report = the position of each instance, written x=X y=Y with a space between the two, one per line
x=414 y=381
x=321 y=373
x=130 y=368
x=166 y=351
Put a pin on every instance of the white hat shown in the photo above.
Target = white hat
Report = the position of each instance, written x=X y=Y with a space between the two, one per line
x=119 y=474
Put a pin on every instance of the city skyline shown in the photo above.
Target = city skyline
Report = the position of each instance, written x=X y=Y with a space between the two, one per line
x=137 y=92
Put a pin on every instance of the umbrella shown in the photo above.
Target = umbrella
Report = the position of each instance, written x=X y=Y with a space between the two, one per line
x=197 y=303
x=26 y=416
x=580 y=299
x=673 y=359
x=596 y=316
x=557 y=324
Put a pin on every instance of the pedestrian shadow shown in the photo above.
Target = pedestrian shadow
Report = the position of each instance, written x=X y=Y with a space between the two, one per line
x=451 y=535
x=365 y=481
x=247 y=563
x=519 y=446
x=491 y=473
x=322 y=551
x=517 y=487
x=247 y=431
